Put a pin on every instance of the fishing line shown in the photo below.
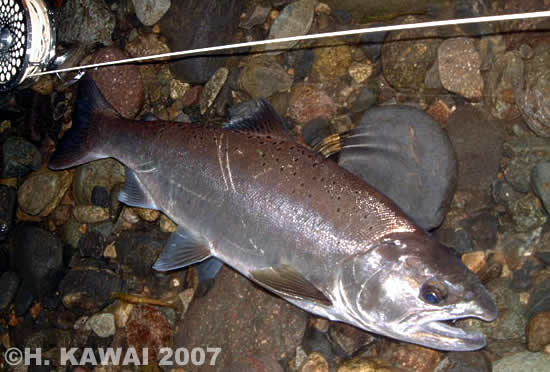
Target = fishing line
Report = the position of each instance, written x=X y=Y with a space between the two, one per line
x=451 y=22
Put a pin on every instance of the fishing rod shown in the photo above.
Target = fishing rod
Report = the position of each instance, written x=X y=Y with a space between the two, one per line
x=27 y=41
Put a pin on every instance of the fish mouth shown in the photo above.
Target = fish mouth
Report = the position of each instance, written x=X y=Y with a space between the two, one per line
x=440 y=334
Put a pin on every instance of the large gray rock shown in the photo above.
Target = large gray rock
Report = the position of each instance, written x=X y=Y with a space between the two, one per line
x=406 y=155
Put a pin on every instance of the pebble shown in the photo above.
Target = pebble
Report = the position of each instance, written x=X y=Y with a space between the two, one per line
x=364 y=365
x=85 y=23
x=90 y=213
x=42 y=191
x=148 y=327
x=91 y=244
x=71 y=232
x=372 y=42
x=315 y=131
x=139 y=251
x=348 y=338
x=150 y=12
x=412 y=357
x=476 y=361
x=256 y=17
x=527 y=213
x=8 y=199
x=459 y=63
x=523 y=361
x=212 y=88
x=9 y=282
x=105 y=173
x=309 y=101
x=122 y=311
x=366 y=99
x=23 y=300
x=475 y=261
x=38 y=259
x=315 y=362
x=361 y=71
x=19 y=157
x=538 y=332
x=101 y=197
x=263 y=77
x=540 y=179
x=178 y=89
x=503 y=83
x=294 y=20
x=166 y=224
x=149 y=215
x=103 y=324
x=332 y=62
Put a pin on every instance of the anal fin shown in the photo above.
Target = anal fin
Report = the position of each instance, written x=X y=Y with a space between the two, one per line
x=285 y=280
x=182 y=249
x=134 y=192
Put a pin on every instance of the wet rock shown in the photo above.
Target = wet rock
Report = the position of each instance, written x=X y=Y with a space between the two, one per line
x=42 y=191
x=148 y=328
x=90 y=214
x=105 y=173
x=412 y=357
x=518 y=247
x=255 y=363
x=364 y=364
x=302 y=61
x=407 y=129
x=540 y=178
x=71 y=232
x=150 y=12
x=470 y=9
x=518 y=169
x=279 y=326
x=263 y=76
x=295 y=19
x=194 y=25
x=112 y=80
x=85 y=22
x=459 y=63
x=9 y=282
x=38 y=259
x=101 y=197
x=88 y=290
x=212 y=88
x=483 y=228
x=361 y=71
x=102 y=324
x=372 y=43
x=473 y=138
x=348 y=338
x=407 y=56
x=140 y=250
x=366 y=99
x=308 y=102
x=533 y=99
x=8 y=198
x=91 y=245
x=19 y=157
x=476 y=361
x=315 y=131
x=315 y=362
x=539 y=302
x=503 y=83
x=331 y=62
x=538 y=332
x=23 y=300
x=257 y=16
x=524 y=361
x=527 y=213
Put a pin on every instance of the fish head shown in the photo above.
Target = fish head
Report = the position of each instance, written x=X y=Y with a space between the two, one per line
x=410 y=287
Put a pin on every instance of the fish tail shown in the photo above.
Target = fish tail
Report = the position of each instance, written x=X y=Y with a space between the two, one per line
x=81 y=143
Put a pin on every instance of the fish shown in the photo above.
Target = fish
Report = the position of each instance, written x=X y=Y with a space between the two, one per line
x=293 y=222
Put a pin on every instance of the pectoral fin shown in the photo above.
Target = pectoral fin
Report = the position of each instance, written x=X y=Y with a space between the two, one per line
x=182 y=249
x=286 y=281
x=134 y=192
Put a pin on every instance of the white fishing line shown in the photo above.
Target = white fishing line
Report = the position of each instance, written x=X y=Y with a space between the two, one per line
x=451 y=22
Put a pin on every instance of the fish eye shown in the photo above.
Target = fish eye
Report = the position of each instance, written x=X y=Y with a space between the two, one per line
x=433 y=292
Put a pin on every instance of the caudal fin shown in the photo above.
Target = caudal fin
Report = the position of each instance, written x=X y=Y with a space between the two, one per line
x=79 y=145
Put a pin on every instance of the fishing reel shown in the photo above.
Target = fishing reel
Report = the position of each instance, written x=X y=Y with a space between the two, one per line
x=27 y=41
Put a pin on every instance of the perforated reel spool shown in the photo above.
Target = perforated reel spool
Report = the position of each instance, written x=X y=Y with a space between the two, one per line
x=27 y=40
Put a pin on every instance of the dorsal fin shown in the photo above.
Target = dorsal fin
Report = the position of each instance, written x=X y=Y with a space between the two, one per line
x=264 y=120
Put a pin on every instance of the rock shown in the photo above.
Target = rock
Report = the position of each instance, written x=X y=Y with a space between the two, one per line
x=42 y=191
x=476 y=361
x=540 y=179
x=263 y=76
x=212 y=88
x=255 y=363
x=471 y=9
x=524 y=361
x=9 y=282
x=407 y=56
x=518 y=170
x=331 y=62
x=366 y=99
x=23 y=300
x=474 y=138
x=294 y=20
x=361 y=71
x=167 y=225
x=539 y=302
x=85 y=22
x=101 y=197
x=150 y=12
x=102 y=324
x=112 y=80
x=315 y=362
x=148 y=328
x=538 y=332
x=4 y=259
x=279 y=326
x=418 y=146
x=196 y=25
x=459 y=63
x=140 y=250
x=348 y=338
x=527 y=213
x=412 y=357
x=308 y=102
x=533 y=99
x=88 y=290
x=105 y=173
x=90 y=214
x=315 y=131
x=301 y=60
x=38 y=259
x=91 y=245
x=71 y=232
x=19 y=157
x=8 y=199
x=362 y=364
x=149 y=215
x=503 y=83
x=256 y=17
x=372 y=43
